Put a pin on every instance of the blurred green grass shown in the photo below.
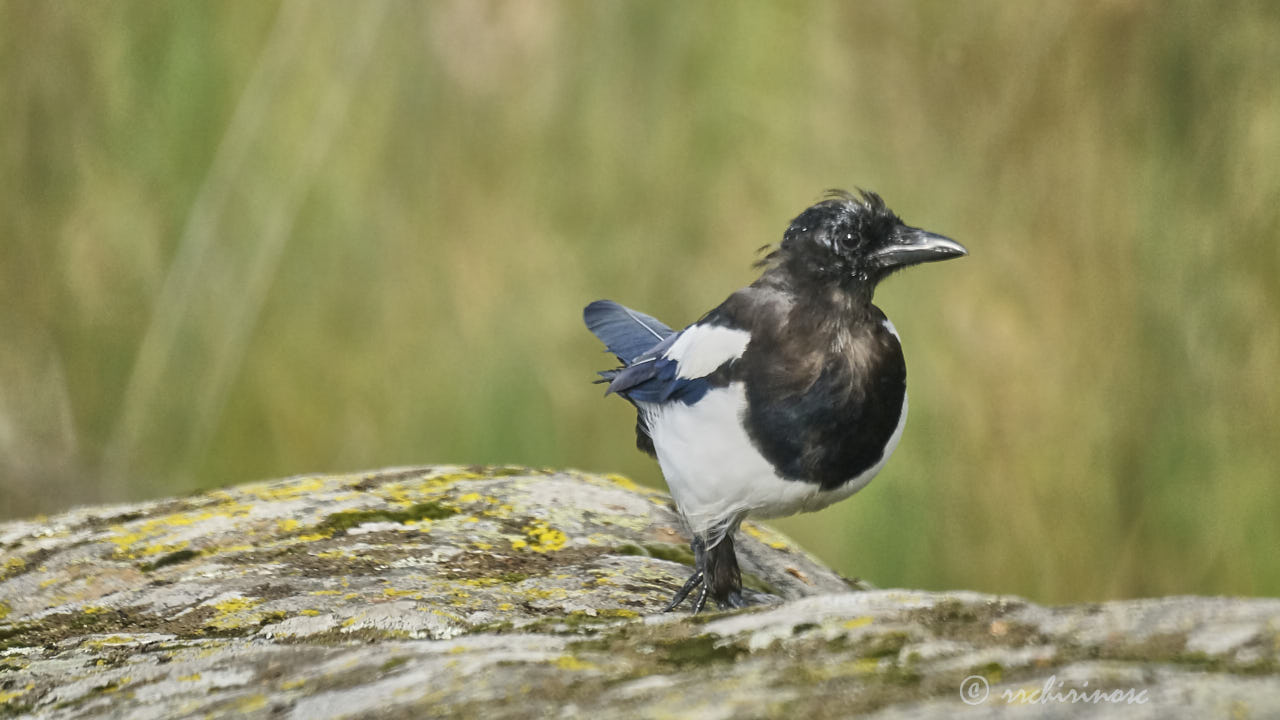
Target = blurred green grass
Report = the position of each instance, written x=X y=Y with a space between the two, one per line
x=243 y=240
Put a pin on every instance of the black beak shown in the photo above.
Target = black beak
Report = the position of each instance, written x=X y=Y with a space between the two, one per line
x=912 y=246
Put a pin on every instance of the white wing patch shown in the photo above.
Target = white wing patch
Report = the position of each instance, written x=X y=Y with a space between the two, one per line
x=888 y=325
x=702 y=348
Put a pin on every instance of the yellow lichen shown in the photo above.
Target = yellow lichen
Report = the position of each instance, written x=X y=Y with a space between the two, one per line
x=569 y=662
x=193 y=677
x=331 y=554
x=554 y=593
x=501 y=510
x=12 y=565
x=253 y=703
x=764 y=536
x=232 y=613
x=866 y=665
x=541 y=538
x=624 y=482
x=236 y=604
x=478 y=582
x=545 y=540
x=854 y=623
x=160 y=549
x=153 y=531
x=619 y=613
x=397 y=494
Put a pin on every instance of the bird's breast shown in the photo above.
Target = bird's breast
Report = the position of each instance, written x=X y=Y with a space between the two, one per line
x=830 y=425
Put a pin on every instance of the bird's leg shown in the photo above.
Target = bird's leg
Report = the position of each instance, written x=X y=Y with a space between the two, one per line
x=723 y=579
x=696 y=579
x=716 y=571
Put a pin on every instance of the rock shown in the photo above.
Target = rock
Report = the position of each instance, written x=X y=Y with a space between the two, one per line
x=506 y=592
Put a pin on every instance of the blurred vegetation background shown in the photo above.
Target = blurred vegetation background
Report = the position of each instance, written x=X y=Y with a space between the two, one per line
x=250 y=239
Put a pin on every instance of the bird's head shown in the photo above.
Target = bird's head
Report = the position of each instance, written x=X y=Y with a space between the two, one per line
x=853 y=243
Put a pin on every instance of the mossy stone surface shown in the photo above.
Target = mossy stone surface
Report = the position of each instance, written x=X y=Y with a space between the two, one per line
x=510 y=592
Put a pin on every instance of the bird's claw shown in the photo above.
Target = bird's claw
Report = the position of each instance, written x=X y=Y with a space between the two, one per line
x=694 y=581
x=734 y=600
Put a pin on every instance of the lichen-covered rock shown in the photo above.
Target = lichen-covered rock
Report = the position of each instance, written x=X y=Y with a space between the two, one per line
x=504 y=592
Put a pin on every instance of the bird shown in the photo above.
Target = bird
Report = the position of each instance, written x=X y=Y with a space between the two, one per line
x=788 y=396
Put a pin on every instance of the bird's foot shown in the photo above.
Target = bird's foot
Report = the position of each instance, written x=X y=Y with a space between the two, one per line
x=716 y=577
x=694 y=581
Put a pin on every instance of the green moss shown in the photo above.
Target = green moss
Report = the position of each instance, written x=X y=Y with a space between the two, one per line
x=951 y=611
x=392 y=664
x=992 y=671
x=887 y=645
x=663 y=551
x=338 y=523
x=698 y=650
x=671 y=553
x=499 y=627
x=12 y=636
x=754 y=582
x=510 y=471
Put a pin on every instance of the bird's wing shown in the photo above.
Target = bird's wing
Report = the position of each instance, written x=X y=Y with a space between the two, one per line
x=628 y=334
x=683 y=367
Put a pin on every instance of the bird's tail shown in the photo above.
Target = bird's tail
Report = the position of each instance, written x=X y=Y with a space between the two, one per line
x=627 y=333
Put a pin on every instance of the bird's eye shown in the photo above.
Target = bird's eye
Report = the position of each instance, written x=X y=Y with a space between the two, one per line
x=848 y=240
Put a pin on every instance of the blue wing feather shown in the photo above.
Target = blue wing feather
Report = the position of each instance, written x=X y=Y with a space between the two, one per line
x=654 y=378
x=640 y=342
x=628 y=334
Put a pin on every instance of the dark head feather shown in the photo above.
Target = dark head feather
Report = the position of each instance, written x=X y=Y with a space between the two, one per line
x=830 y=239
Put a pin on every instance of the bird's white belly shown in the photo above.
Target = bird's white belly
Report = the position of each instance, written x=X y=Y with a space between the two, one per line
x=717 y=476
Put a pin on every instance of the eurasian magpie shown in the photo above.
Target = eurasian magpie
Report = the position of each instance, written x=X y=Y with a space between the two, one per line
x=787 y=397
